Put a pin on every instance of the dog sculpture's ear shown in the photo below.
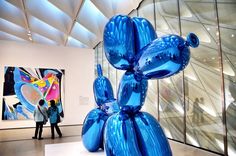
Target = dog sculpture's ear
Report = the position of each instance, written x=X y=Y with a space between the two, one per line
x=102 y=88
x=144 y=33
x=118 y=40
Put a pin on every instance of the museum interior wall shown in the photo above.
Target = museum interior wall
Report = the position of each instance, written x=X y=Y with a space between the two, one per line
x=197 y=106
x=77 y=63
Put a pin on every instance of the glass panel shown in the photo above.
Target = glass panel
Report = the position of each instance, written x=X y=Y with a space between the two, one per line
x=167 y=21
x=120 y=73
x=105 y=65
x=150 y=104
x=99 y=48
x=171 y=107
x=170 y=89
x=133 y=13
x=202 y=77
x=95 y=61
x=112 y=78
x=227 y=14
x=146 y=10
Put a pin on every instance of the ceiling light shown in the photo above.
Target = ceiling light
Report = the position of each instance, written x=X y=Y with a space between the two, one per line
x=213 y=58
x=232 y=35
x=217 y=33
x=208 y=29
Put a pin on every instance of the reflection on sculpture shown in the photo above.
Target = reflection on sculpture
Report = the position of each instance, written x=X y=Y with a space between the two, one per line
x=94 y=123
x=24 y=87
x=132 y=45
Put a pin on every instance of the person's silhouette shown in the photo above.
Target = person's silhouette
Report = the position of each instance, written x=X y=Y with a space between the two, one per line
x=195 y=111
x=201 y=111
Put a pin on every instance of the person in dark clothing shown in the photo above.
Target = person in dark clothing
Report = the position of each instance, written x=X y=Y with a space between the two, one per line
x=196 y=114
x=40 y=113
x=201 y=111
x=54 y=118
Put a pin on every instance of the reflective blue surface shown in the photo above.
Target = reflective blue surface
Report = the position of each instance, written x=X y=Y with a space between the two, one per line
x=131 y=93
x=165 y=56
x=144 y=33
x=131 y=44
x=94 y=123
x=151 y=138
x=99 y=70
x=119 y=136
x=102 y=89
x=118 y=39
x=110 y=107
x=92 y=131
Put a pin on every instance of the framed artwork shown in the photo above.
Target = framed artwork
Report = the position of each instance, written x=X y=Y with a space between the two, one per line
x=24 y=87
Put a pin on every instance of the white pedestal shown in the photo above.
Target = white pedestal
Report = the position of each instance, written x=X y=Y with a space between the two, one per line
x=71 y=149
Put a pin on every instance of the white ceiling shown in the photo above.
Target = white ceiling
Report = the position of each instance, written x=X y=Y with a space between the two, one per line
x=75 y=23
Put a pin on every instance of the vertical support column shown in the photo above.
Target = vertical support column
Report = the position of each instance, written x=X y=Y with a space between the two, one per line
x=97 y=55
x=102 y=54
x=183 y=84
x=158 y=101
x=222 y=83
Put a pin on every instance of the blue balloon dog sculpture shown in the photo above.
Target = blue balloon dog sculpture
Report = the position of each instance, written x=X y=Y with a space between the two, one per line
x=132 y=45
x=94 y=123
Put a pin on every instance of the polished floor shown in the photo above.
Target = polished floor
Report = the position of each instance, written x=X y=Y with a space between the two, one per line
x=17 y=142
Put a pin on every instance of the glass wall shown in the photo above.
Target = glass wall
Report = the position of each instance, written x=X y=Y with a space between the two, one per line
x=105 y=64
x=171 y=104
x=198 y=105
x=203 y=77
x=227 y=25
x=96 y=61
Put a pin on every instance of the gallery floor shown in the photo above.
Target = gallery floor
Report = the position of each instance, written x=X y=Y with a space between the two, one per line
x=18 y=142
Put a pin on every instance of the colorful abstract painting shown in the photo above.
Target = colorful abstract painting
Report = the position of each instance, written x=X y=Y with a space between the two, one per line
x=24 y=87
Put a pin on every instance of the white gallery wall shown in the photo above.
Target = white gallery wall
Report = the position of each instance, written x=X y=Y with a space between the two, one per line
x=78 y=64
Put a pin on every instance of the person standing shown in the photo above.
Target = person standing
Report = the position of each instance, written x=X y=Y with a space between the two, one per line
x=201 y=111
x=196 y=111
x=40 y=114
x=54 y=118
